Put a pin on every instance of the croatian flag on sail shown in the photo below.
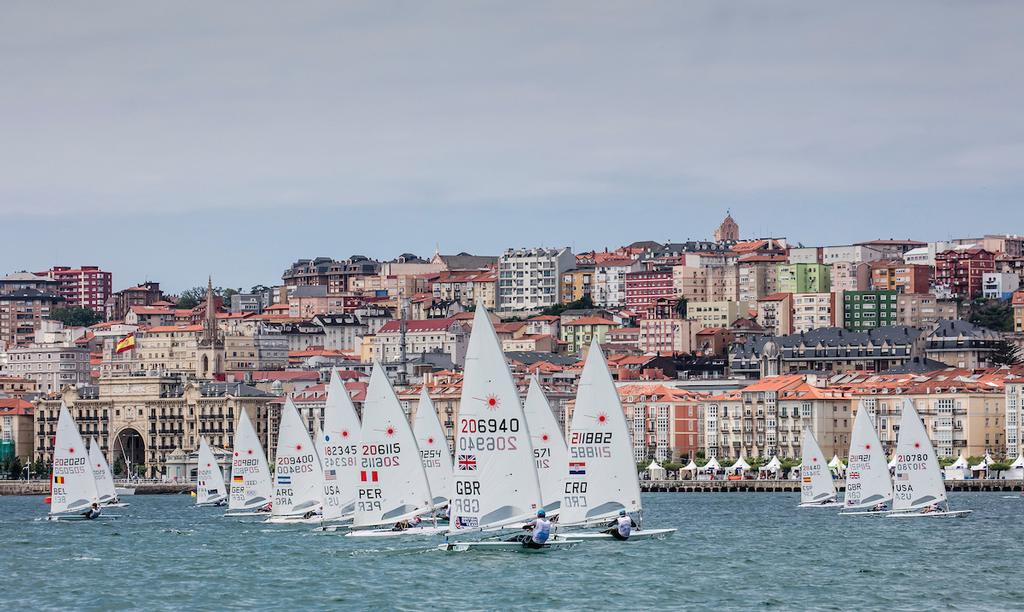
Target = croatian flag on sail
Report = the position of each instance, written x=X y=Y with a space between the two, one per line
x=577 y=468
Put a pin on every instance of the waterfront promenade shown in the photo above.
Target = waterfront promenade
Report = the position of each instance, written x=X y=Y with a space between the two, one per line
x=793 y=486
x=42 y=487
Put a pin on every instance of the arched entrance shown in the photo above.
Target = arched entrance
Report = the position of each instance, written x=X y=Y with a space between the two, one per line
x=129 y=453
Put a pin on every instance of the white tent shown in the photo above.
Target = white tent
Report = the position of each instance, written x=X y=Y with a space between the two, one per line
x=690 y=468
x=837 y=465
x=794 y=472
x=739 y=467
x=1016 y=471
x=655 y=471
x=981 y=470
x=956 y=471
x=772 y=468
x=711 y=466
x=708 y=470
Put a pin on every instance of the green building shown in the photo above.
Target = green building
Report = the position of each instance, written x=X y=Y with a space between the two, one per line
x=804 y=278
x=864 y=310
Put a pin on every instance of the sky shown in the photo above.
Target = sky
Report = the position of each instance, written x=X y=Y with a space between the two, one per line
x=171 y=140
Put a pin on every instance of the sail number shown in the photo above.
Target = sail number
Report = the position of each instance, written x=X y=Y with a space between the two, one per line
x=591 y=437
x=488 y=443
x=489 y=425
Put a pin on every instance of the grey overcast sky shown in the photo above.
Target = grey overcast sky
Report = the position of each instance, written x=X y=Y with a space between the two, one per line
x=169 y=140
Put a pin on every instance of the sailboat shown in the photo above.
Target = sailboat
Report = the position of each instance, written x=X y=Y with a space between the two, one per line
x=74 y=486
x=495 y=482
x=298 y=474
x=104 y=477
x=918 y=489
x=868 y=485
x=550 y=454
x=433 y=445
x=393 y=484
x=340 y=452
x=251 y=484
x=210 y=488
x=817 y=489
x=602 y=476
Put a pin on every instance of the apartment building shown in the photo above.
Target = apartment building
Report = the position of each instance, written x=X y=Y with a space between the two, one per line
x=645 y=289
x=85 y=286
x=959 y=273
x=864 y=310
x=804 y=278
x=923 y=309
x=529 y=279
x=609 y=287
x=52 y=367
x=813 y=311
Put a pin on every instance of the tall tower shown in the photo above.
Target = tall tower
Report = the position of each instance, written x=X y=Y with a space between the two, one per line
x=210 y=352
x=728 y=231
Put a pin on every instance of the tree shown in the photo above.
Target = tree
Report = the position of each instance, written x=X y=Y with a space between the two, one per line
x=680 y=307
x=119 y=468
x=1006 y=354
x=41 y=468
x=583 y=303
x=76 y=316
x=12 y=468
x=993 y=314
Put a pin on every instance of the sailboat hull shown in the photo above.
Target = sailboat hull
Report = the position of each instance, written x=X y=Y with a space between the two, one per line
x=865 y=513
x=388 y=533
x=833 y=504
x=940 y=515
x=636 y=536
x=505 y=546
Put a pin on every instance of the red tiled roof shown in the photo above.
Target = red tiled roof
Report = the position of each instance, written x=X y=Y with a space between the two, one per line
x=590 y=321
x=419 y=325
x=775 y=297
x=173 y=328
x=15 y=407
x=1018 y=298
x=545 y=318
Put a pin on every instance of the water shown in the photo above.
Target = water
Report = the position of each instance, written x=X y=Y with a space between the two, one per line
x=742 y=550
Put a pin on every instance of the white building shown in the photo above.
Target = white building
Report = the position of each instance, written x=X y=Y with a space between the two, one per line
x=926 y=255
x=52 y=367
x=999 y=285
x=609 y=287
x=528 y=279
x=1014 y=418
x=814 y=310
x=852 y=253
x=447 y=336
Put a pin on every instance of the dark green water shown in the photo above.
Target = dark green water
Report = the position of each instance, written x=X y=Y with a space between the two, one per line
x=733 y=551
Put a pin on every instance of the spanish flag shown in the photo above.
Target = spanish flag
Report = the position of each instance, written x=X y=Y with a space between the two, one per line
x=126 y=344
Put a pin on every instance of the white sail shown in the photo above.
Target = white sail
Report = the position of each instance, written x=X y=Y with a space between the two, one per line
x=340 y=452
x=392 y=482
x=101 y=472
x=433 y=444
x=817 y=486
x=251 y=483
x=549 y=451
x=74 y=486
x=917 y=480
x=602 y=477
x=298 y=475
x=867 y=474
x=495 y=481
x=210 y=487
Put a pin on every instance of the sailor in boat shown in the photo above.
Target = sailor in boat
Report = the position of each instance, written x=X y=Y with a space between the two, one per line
x=92 y=512
x=407 y=524
x=621 y=527
x=879 y=507
x=540 y=530
x=267 y=507
x=930 y=508
x=310 y=514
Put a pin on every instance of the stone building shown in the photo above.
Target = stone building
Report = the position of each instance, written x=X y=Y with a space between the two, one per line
x=142 y=420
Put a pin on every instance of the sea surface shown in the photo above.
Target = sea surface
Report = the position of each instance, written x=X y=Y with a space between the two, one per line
x=732 y=551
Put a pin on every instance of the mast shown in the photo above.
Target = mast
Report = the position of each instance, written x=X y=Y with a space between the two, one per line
x=403 y=328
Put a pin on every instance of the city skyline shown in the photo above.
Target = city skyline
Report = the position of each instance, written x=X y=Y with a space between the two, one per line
x=260 y=138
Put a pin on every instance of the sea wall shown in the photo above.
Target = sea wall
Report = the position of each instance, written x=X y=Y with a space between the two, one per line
x=42 y=487
x=793 y=486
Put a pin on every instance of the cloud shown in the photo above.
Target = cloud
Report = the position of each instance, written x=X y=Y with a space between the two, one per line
x=190 y=106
